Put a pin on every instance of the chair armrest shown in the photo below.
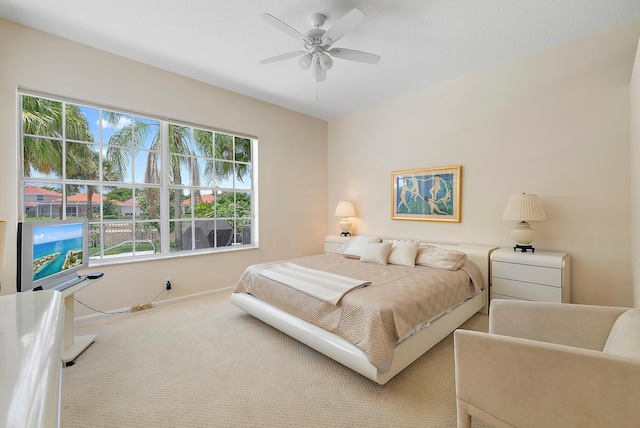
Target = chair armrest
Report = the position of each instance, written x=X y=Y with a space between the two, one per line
x=528 y=383
x=583 y=326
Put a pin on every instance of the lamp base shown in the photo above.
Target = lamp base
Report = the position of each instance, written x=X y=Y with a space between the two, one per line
x=524 y=248
x=345 y=226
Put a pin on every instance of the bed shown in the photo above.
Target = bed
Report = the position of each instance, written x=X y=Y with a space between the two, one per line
x=357 y=329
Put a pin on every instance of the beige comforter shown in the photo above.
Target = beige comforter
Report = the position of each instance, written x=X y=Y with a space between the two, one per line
x=373 y=318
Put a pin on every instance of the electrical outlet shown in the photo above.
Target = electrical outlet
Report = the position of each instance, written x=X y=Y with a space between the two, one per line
x=167 y=284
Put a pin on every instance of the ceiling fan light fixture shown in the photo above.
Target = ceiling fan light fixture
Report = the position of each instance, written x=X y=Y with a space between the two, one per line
x=325 y=62
x=305 y=61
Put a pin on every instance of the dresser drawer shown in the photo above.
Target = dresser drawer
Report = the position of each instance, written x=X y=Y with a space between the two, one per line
x=525 y=290
x=332 y=243
x=527 y=273
x=495 y=296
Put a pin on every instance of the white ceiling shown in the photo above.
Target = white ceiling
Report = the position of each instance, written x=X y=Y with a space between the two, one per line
x=421 y=42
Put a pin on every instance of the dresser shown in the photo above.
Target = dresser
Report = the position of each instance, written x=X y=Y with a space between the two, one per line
x=543 y=276
x=333 y=242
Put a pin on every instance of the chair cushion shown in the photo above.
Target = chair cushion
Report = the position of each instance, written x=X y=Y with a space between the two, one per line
x=624 y=338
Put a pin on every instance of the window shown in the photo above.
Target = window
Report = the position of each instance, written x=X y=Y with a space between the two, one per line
x=149 y=187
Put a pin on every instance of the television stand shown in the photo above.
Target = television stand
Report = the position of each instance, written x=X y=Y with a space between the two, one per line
x=74 y=345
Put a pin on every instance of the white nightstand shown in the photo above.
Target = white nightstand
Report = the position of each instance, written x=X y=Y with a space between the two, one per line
x=543 y=276
x=333 y=242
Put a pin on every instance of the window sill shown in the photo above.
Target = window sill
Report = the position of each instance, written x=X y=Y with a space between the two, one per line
x=137 y=259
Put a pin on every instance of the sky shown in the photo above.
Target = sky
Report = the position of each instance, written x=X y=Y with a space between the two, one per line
x=56 y=232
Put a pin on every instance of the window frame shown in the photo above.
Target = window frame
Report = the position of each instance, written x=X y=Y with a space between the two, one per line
x=165 y=187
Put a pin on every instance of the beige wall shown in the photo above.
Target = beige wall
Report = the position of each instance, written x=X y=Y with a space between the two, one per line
x=635 y=177
x=555 y=123
x=292 y=221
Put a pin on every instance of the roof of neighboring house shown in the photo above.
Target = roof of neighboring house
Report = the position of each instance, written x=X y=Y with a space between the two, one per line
x=82 y=197
x=208 y=198
x=129 y=202
x=35 y=190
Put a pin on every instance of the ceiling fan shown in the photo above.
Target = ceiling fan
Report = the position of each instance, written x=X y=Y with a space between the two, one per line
x=318 y=43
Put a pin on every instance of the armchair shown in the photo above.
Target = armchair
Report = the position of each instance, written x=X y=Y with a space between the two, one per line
x=550 y=365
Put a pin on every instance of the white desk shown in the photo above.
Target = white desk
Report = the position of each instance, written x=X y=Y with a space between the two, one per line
x=74 y=345
x=31 y=330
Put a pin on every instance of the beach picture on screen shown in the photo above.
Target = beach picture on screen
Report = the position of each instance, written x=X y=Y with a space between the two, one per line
x=56 y=248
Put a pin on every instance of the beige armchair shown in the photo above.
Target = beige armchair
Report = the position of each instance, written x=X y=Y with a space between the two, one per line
x=550 y=365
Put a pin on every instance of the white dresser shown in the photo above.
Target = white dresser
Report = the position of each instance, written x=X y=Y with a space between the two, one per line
x=333 y=242
x=543 y=276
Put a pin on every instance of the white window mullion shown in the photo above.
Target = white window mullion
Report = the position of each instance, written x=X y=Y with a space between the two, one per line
x=165 y=208
x=63 y=202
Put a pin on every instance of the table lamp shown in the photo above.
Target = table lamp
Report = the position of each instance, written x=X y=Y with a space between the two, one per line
x=524 y=208
x=345 y=209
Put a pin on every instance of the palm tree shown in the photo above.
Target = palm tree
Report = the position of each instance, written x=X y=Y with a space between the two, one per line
x=225 y=149
x=181 y=153
x=42 y=123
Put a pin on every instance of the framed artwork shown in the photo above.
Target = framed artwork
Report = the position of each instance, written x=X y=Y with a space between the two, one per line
x=430 y=194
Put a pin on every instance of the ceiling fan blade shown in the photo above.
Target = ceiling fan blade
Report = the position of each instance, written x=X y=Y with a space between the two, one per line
x=353 y=55
x=343 y=26
x=285 y=28
x=281 y=57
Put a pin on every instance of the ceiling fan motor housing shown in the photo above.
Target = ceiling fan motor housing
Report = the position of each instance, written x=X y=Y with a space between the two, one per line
x=315 y=37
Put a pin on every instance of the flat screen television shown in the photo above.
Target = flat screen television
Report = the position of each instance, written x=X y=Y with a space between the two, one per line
x=51 y=252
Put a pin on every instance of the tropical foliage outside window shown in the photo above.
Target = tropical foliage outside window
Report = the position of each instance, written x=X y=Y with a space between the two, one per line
x=149 y=187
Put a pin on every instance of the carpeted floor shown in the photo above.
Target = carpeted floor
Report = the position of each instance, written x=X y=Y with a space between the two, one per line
x=205 y=363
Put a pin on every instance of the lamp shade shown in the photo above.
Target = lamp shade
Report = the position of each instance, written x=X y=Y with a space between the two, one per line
x=3 y=243
x=345 y=209
x=524 y=207
x=305 y=61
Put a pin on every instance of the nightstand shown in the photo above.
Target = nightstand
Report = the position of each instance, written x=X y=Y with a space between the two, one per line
x=333 y=242
x=543 y=276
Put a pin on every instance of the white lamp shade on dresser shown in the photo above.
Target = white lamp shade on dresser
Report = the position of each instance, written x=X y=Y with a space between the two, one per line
x=524 y=208
x=345 y=209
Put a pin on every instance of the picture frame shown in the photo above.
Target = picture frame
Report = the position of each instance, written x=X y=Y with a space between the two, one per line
x=428 y=194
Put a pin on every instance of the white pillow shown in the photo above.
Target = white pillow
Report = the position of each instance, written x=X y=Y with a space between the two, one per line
x=403 y=252
x=354 y=246
x=376 y=253
x=440 y=258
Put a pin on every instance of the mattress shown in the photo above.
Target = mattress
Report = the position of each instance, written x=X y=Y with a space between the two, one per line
x=398 y=301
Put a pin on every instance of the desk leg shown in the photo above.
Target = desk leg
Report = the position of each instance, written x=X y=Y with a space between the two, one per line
x=73 y=345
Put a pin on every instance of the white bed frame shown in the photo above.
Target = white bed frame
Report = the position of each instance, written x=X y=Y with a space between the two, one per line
x=406 y=352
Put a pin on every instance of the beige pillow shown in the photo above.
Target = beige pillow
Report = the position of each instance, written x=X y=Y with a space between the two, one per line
x=376 y=253
x=440 y=258
x=403 y=252
x=354 y=246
